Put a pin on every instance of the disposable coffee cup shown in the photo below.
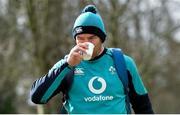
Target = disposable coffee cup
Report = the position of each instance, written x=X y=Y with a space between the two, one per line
x=88 y=54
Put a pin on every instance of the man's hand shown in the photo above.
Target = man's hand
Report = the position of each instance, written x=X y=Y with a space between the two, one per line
x=75 y=55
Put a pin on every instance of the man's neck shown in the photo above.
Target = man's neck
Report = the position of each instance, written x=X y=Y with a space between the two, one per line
x=101 y=50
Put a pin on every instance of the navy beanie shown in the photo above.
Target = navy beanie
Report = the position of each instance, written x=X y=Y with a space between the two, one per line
x=89 y=21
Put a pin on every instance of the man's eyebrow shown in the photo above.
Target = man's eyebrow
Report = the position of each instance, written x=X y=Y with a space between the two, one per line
x=79 y=37
x=89 y=37
x=92 y=36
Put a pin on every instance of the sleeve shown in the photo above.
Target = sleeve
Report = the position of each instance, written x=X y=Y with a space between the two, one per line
x=138 y=94
x=44 y=88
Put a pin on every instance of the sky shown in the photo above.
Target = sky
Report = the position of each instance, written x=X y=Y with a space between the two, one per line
x=174 y=8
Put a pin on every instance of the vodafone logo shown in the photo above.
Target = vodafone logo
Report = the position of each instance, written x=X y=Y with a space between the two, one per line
x=92 y=85
x=94 y=90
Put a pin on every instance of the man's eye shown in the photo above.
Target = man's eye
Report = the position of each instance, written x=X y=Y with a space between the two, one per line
x=80 y=39
x=93 y=37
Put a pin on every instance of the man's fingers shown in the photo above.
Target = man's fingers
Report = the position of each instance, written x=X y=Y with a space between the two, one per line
x=81 y=52
x=80 y=48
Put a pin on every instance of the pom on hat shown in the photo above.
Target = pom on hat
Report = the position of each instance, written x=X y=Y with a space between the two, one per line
x=90 y=8
x=89 y=21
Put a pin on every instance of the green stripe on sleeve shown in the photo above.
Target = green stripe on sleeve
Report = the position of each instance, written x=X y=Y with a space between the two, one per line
x=54 y=85
x=136 y=78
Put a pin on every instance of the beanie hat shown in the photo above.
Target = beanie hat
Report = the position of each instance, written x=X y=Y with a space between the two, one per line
x=89 y=21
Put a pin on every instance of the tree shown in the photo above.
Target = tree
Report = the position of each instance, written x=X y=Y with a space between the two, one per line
x=35 y=34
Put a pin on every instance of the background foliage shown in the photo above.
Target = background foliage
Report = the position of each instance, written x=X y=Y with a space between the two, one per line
x=35 y=34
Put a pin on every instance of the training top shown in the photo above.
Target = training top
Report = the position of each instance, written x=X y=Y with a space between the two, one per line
x=96 y=87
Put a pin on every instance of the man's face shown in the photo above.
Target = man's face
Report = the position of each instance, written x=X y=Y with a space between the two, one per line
x=81 y=38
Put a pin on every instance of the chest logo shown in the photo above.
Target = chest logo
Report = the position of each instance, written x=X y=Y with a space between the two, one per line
x=112 y=70
x=97 y=90
x=79 y=71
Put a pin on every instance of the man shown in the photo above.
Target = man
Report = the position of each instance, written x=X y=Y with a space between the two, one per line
x=94 y=87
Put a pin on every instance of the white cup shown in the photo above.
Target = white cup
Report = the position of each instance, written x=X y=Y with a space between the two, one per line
x=88 y=54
